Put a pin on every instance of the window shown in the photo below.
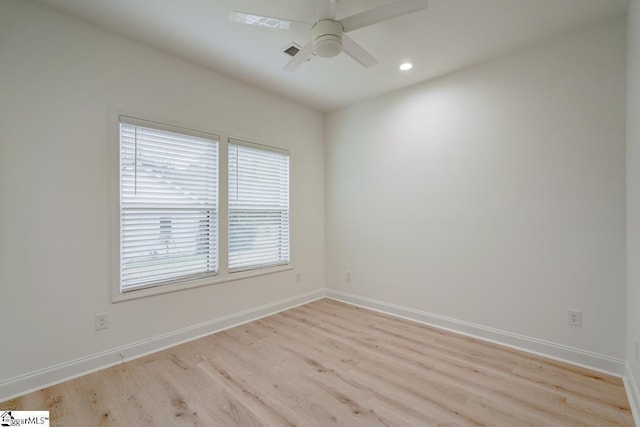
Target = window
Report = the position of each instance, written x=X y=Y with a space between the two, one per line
x=258 y=206
x=168 y=204
x=172 y=209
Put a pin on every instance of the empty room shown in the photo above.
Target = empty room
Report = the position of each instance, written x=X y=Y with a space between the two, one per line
x=320 y=212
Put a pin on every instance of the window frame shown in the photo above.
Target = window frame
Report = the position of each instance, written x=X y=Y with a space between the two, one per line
x=223 y=275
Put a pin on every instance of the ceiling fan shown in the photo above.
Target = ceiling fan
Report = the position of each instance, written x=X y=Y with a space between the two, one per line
x=328 y=38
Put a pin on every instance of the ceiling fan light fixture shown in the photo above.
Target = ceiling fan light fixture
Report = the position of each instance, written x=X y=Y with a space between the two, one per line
x=328 y=47
x=327 y=38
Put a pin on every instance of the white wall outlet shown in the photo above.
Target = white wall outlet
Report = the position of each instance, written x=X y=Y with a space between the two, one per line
x=347 y=276
x=298 y=277
x=575 y=318
x=102 y=321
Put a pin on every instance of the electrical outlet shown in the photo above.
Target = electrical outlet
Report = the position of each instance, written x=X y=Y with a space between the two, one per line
x=102 y=321
x=347 y=276
x=575 y=318
x=298 y=277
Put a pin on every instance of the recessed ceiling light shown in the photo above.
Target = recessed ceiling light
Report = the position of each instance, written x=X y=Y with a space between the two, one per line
x=406 y=66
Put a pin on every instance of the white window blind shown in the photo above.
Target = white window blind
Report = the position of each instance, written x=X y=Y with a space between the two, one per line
x=168 y=205
x=258 y=207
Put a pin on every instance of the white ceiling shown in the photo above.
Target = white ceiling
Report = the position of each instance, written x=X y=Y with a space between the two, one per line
x=447 y=36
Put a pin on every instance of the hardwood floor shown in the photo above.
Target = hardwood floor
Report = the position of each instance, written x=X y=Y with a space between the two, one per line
x=328 y=363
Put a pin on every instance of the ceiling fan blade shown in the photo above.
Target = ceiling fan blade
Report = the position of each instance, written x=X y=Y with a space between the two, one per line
x=299 y=57
x=357 y=52
x=262 y=20
x=326 y=9
x=382 y=13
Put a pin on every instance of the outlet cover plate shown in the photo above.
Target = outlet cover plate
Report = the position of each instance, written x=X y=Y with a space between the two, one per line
x=102 y=321
x=575 y=318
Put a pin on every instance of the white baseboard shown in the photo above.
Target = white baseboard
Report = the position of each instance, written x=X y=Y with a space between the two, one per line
x=65 y=371
x=55 y=374
x=633 y=394
x=587 y=359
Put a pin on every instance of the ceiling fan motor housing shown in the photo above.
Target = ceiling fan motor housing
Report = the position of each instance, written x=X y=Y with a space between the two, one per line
x=327 y=38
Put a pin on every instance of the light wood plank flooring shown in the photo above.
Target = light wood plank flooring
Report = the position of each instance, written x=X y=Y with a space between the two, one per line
x=328 y=363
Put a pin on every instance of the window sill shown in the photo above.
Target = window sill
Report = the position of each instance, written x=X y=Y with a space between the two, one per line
x=206 y=281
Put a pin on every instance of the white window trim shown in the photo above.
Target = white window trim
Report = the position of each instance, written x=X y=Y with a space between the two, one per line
x=223 y=275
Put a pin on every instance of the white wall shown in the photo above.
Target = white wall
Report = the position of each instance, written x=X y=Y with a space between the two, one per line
x=495 y=195
x=633 y=186
x=59 y=81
